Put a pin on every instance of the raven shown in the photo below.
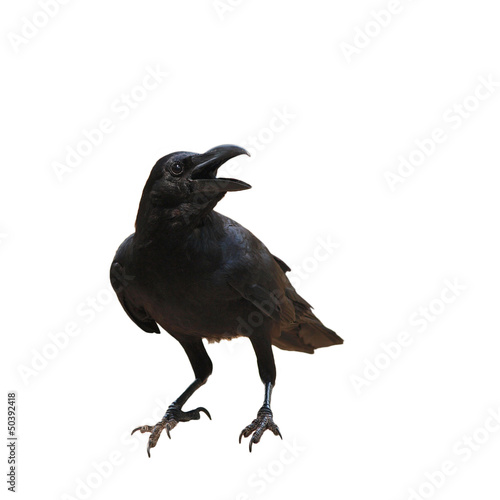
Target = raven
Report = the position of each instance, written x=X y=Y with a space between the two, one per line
x=199 y=274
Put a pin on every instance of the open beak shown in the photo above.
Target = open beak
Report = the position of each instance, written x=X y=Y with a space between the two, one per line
x=203 y=177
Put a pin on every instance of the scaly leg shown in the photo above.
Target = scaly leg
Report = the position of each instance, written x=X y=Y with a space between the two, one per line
x=202 y=366
x=267 y=371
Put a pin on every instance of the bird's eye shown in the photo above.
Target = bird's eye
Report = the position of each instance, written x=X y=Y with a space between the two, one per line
x=176 y=169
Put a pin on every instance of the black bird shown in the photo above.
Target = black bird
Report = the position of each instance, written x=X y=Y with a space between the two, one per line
x=199 y=274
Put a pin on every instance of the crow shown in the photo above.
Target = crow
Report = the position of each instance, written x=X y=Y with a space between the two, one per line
x=200 y=275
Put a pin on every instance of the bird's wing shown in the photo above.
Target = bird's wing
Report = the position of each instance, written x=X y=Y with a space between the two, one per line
x=263 y=299
x=260 y=278
x=284 y=267
x=256 y=274
x=263 y=283
x=120 y=281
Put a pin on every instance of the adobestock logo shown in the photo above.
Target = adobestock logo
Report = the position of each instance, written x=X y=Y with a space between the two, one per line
x=261 y=139
x=419 y=322
x=267 y=475
x=58 y=341
x=462 y=450
x=121 y=108
x=453 y=118
x=31 y=27
x=101 y=470
x=324 y=249
x=223 y=7
x=367 y=32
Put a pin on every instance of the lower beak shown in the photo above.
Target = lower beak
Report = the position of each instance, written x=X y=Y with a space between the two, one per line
x=203 y=177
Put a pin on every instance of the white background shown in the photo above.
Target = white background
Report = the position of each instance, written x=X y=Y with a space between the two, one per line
x=323 y=175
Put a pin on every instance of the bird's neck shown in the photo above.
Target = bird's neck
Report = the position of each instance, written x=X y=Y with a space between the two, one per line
x=169 y=226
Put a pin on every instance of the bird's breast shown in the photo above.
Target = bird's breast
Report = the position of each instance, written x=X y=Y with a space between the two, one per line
x=190 y=296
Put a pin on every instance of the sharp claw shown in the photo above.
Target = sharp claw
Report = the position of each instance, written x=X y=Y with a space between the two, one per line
x=205 y=411
x=168 y=422
x=255 y=430
x=142 y=429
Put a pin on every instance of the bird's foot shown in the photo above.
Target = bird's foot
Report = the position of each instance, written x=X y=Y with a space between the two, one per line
x=172 y=417
x=262 y=423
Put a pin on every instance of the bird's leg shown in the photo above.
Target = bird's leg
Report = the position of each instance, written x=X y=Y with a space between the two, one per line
x=202 y=366
x=267 y=372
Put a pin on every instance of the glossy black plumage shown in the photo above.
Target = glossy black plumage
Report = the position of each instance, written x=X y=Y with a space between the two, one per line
x=199 y=274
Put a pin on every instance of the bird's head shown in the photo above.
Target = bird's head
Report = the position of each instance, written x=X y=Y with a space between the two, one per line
x=184 y=185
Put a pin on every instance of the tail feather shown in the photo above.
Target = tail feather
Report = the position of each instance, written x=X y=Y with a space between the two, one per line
x=300 y=329
x=306 y=336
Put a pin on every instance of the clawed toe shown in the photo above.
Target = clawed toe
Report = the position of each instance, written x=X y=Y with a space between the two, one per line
x=172 y=417
x=165 y=423
x=182 y=416
x=263 y=422
x=142 y=429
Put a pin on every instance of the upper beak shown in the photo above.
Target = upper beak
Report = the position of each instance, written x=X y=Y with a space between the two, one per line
x=205 y=170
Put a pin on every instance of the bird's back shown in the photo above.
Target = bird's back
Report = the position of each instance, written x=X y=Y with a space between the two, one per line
x=260 y=277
